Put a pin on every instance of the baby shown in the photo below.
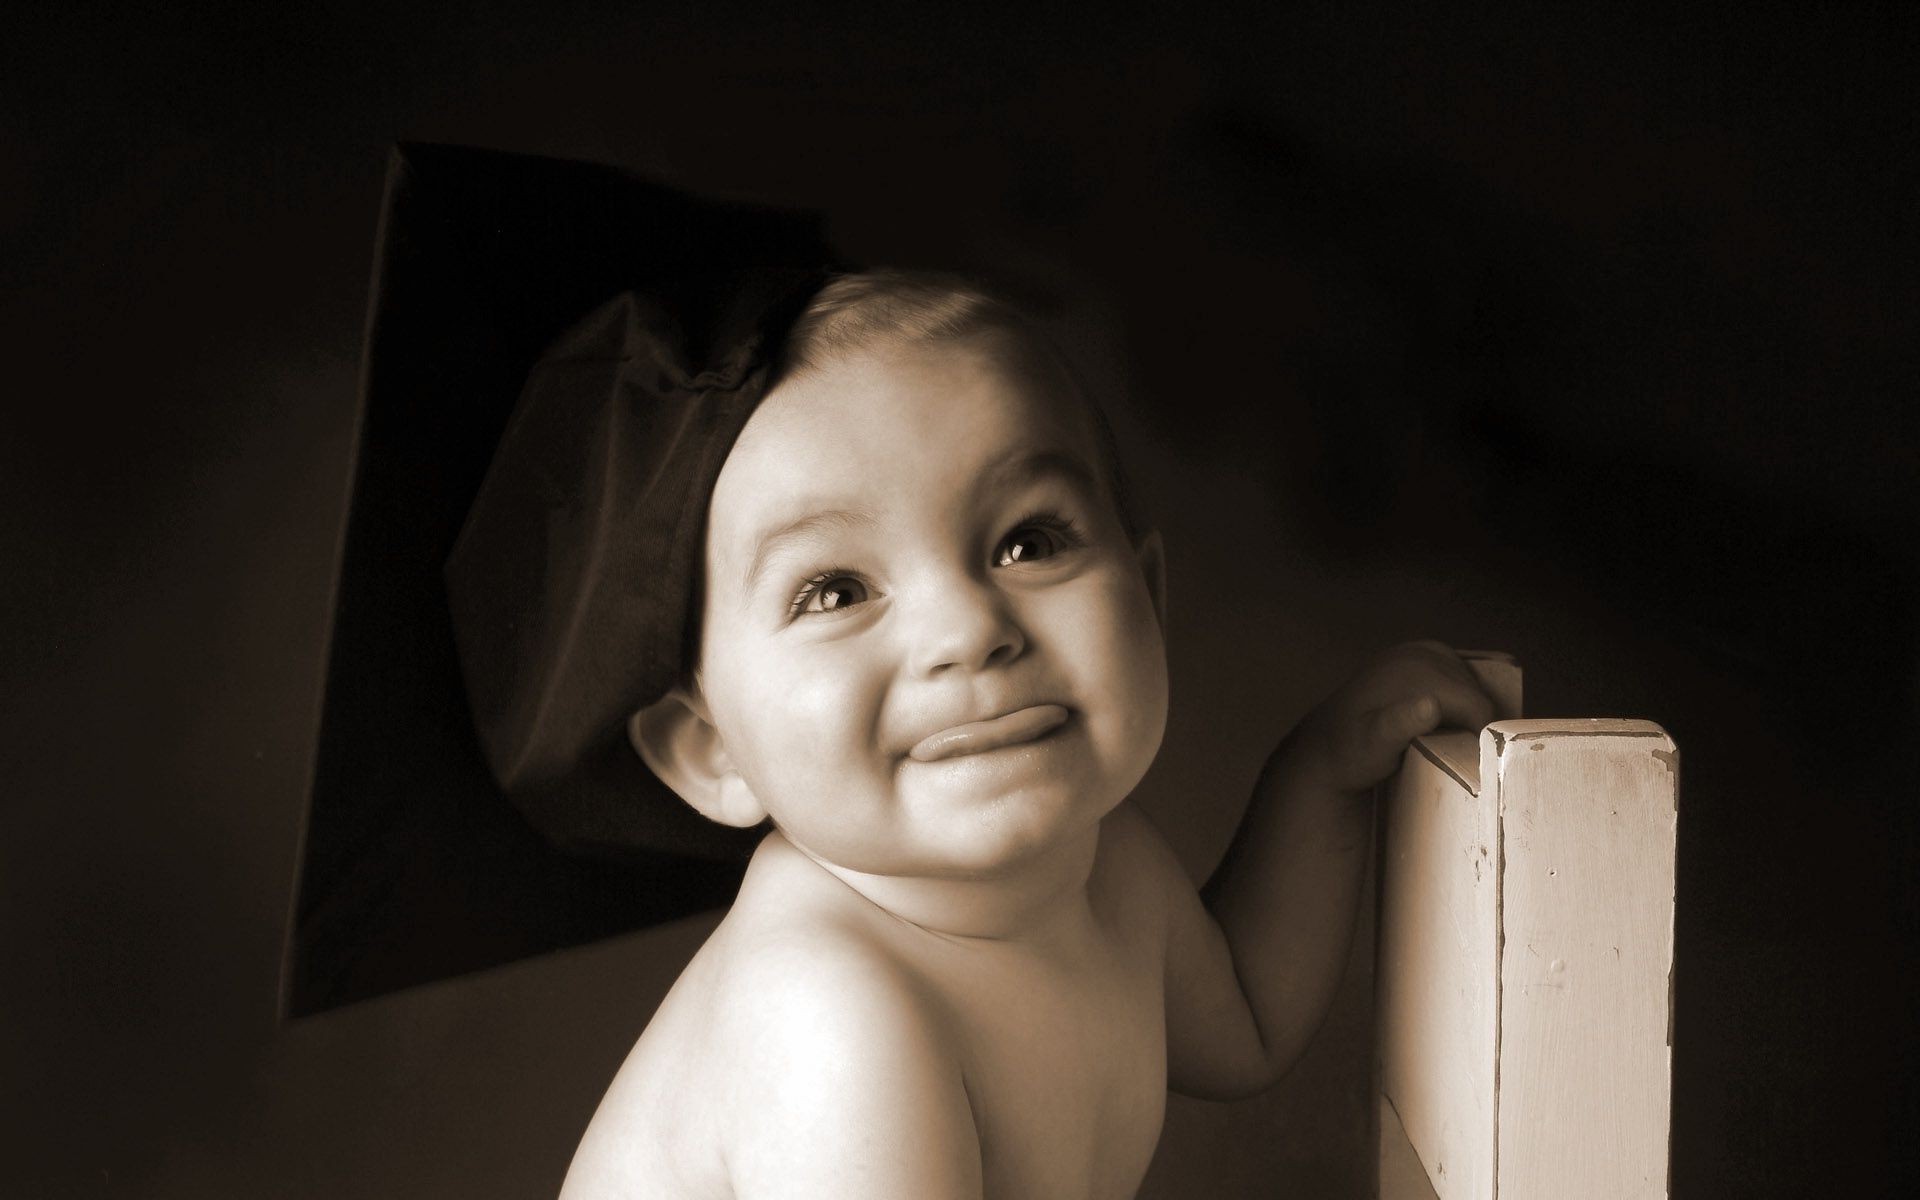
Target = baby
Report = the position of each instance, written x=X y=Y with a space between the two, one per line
x=930 y=649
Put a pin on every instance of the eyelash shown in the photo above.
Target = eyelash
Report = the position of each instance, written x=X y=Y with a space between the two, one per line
x=1063 y=528
x=813 y=584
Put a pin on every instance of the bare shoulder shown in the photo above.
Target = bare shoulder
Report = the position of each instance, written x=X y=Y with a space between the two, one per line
x=843 y=1072
x=1138 y=874
x=795 y=1056
x=806 y=971
x=1128 y=833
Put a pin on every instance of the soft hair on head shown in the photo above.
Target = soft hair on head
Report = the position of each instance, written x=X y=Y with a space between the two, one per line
x=858 y=311
x=890 y=306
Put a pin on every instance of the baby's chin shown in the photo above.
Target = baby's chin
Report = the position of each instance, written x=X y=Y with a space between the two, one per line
x=1004 y=858
x=1015 y=844
x=979 y=838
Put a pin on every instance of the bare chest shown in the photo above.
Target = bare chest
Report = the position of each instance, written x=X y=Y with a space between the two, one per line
x=1065 y=1068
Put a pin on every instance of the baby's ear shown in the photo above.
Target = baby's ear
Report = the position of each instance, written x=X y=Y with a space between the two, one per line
x=1152 y=553
x=677 y=740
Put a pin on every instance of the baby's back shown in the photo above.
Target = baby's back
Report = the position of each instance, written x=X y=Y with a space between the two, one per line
x=818 y=1045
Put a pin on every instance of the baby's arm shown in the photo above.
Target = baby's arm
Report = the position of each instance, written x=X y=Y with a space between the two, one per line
x=1251 y=974
x=849 y=1088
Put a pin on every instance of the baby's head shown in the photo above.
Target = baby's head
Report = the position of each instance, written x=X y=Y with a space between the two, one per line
x=929 y=635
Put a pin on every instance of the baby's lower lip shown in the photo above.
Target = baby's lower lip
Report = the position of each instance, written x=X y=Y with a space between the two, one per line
x=977 y=737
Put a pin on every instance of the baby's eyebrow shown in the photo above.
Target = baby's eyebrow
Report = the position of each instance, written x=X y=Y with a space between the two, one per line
x=800 y=529
x=1030 y=466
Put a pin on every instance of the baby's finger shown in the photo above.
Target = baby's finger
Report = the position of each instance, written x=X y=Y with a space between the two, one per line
x=1369 y=749
x=1462 y=703
x=1397 y=724
x=1446 y=661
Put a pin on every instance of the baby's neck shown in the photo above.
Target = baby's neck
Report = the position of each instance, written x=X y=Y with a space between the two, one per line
x=1042 y=899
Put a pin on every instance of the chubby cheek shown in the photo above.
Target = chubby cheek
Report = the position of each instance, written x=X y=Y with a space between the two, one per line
x=1119 y=659
x=802 y=734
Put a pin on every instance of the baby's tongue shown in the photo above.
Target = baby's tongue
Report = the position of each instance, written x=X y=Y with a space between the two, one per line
x=976 y=737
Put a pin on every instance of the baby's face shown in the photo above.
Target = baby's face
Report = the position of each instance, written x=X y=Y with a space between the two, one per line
x=928 y=644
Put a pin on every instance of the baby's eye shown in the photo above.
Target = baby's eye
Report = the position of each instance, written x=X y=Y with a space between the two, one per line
x=829 y=592
x=1034 y=539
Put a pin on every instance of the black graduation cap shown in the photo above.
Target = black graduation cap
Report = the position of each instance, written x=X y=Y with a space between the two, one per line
x=572 y=290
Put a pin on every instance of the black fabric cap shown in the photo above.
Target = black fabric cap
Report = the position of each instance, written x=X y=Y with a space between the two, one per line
x=572 y=583
x=414 y=865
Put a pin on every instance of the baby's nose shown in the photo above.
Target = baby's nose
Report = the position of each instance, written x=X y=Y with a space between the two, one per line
x=969 y=625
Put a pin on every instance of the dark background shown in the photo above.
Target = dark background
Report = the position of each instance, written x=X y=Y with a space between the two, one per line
x=1589 y=336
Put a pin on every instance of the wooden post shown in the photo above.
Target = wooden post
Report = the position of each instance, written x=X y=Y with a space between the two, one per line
x=1525 y=963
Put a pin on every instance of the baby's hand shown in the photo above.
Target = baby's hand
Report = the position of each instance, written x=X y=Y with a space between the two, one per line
x=1355 y=738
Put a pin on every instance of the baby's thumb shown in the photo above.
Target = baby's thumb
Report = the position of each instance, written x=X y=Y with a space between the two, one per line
x=1384 y=736
x=1402 y=722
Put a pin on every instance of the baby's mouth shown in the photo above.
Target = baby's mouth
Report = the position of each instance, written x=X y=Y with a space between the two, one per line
x=977 y=737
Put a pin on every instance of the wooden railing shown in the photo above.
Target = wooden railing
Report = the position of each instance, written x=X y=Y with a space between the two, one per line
x=1525 y=957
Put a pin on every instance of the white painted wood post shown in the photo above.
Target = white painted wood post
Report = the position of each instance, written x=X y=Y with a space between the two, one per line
x=1525 y=959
